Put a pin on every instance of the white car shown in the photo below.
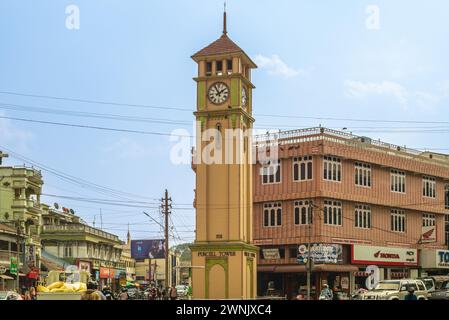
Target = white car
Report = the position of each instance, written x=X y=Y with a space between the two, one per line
x=396 y=290
x=10 y=295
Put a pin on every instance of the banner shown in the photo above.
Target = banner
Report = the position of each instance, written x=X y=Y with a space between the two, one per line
x=321 y=253
x=144 y=249
x=104 y=273
x=384 y=256
x=13 y=265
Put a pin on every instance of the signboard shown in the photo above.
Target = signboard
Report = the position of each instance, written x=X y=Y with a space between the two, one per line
x=271 y=253
x=104 y=273
x=388 y=256
x=13 y=265
x=321 y=253
x=144 y=249
x=84 y=266
x=428 y=234
x=435 y=259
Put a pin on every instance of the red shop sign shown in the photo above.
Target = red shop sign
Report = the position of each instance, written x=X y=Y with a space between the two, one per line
x=104 y=273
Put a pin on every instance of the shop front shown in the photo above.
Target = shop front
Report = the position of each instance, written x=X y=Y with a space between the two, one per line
x=106 y=277
x=383 y=263
x=434 y=262
x=330 y=265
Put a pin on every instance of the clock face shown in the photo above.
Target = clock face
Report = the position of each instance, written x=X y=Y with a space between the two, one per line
x=244 y=97
x=218 y=93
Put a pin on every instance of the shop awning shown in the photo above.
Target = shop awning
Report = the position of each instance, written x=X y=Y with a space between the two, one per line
x=50 y=265
x=2 y=276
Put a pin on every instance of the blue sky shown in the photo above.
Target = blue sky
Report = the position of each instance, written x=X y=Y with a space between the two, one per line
x=316 y=58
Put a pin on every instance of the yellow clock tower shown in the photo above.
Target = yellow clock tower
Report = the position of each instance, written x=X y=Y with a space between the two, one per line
x=223 y=256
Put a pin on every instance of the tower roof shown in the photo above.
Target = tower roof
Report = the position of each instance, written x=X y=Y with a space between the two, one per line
x=223 y=45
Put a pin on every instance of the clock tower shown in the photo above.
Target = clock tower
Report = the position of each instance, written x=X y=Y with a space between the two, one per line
x=223 y=255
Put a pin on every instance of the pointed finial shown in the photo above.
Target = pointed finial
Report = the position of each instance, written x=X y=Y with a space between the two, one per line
x=225 y=31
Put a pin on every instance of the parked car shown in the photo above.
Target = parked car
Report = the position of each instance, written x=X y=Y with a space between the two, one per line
x=10 y=295
x=441 y=292
x=396 y=290
x=430 y=283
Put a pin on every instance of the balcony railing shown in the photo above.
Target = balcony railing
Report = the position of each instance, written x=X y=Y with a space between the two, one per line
x=71 y=228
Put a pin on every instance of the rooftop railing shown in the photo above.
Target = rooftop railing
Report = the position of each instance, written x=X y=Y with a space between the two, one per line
x=346 y=138
x=68 y=228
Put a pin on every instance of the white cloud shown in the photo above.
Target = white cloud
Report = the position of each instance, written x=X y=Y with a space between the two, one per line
x=276 y=66
x=405 y=97
x=358 y=89
x=13 y=137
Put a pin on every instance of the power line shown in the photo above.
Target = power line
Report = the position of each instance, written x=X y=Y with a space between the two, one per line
x=22 y=108
x=74 y=180
x=191 y=110
x=64 y=124
x=95 y=101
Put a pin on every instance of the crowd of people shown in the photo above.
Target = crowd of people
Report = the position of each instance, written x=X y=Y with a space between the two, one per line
x=152 y=293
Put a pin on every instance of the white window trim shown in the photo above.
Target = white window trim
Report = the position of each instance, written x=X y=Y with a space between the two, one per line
x=295 y=161
x=342 y=213
x=275 y=217
x=433 y=183
x=369 y=211
x=371 y=175
x=275 y=182
x=295 y=205
x=341 y=169
x=429 y=217
x=399 y=213
x=405 y=181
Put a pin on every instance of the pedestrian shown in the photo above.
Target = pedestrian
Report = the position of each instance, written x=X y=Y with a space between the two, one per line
x=27 y=295
x=411 y=295
x=124 y=295
x=33 y=295
x=338 y=293
x=91 y=294
x=163 y=293
x=301 y=295
x=107 y=292
x=153 y=293
x=326 y=293
x=173 y=293
x=93 y=285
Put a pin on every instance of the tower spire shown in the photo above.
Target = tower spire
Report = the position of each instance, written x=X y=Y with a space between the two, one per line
x=225 y=31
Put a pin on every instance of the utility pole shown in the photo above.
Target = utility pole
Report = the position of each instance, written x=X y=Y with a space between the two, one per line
x=166 y=205
x=309 y=256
